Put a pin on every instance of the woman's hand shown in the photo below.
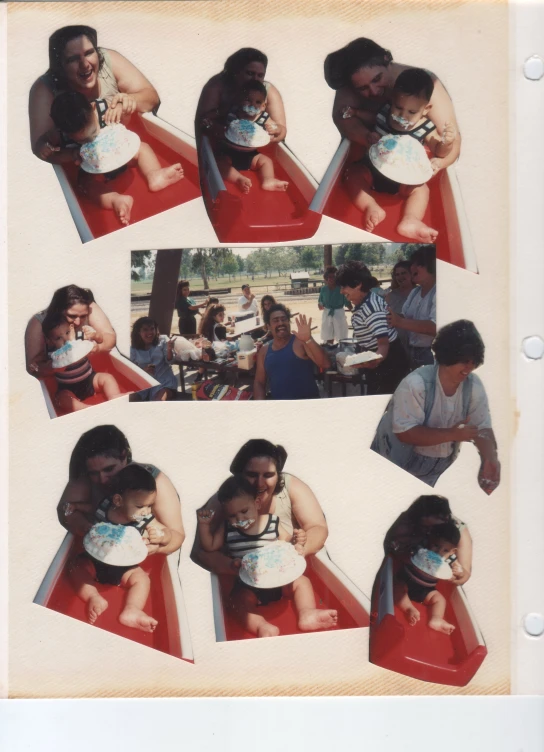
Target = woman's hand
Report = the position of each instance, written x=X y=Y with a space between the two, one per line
x=460 y=575
x=299 y=541
x=271 y=127
x=47 y=150
x=321 y=306
x=437 y=165
x=393 y=319
x=448 y=134
x=304 y=328
x=235 y=565
x=125 y=102
x=489 y=475
x=373 y=138
x=89 y=333
x=205 y=516
x=370 y=363
x=463 y=432
x=114 y=113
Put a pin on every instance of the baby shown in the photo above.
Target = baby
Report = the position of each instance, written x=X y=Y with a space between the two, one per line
x=405 y=115
x=232 y=158
x=245 y=530
x=76 y=382
x=82 y=121
x=411 y=584
x=131 y=503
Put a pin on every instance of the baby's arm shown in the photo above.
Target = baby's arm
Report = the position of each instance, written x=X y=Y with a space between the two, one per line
x=158 y=534
x=208 y=540
x=283 y=534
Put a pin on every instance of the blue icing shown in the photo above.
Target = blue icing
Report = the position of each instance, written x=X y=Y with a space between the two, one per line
x=64 y=349
x=111 y=532
x=391 y=143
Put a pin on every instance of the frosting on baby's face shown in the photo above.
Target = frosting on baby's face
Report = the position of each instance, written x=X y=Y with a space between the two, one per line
x=253 y=103
x=241 y=512
x=135 y=506
x=408 y=110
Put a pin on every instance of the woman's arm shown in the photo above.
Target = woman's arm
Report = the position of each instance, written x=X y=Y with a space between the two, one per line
x=489 y=475
x=37 y=362
x=214 y=561
x=209 y=540
x=167 y=510
x=259 y=382
x=75 y=508
x=44 y=137
x=442 y=114
x=356 y=129
x=142 y=95
x=425 y=436
x=101 y=324
x=464 y=557
x=309 y=515
x=276 y=110
x=411 y=325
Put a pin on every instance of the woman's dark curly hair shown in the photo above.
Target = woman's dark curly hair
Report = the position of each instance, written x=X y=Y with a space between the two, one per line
x=264 y=300
x=426 y=257
x=135 y=336
x=101 y=441
x=459 y=342
x=428 y=505
x=260 y=448
x=239 y=59
x=57 y=43
x=355 y=273
x=361 y=53
x=65 y=297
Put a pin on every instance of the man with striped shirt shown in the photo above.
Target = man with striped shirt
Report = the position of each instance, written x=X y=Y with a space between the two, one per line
x=371 y=329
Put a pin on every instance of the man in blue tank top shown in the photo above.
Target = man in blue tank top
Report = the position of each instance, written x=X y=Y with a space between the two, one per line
x=288 y=361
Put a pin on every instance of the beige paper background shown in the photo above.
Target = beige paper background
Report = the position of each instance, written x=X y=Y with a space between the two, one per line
x=178 y=46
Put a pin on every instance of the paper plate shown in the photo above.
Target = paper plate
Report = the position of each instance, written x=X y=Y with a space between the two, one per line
x=118 y=545
x=364 y=357
x=402 y=159
x=78 y=349
x=112 y=148
x=271 y=566
x=246 y=133
x=432 y=564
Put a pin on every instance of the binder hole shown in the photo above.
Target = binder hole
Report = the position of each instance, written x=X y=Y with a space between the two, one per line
x=534 y=624
x=533 y=68
x=533 y=347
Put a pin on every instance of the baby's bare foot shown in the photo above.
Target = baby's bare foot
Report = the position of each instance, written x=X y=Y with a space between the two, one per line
x=441 y=625
x=122 y=206
x=157 y=180
x=372 y=217
x=243 y=183
x=267 y=630
x=311 y=619
x=96 y=605
x=416 y=229
x=138 y=619
x=271 y=184
x=412 y=615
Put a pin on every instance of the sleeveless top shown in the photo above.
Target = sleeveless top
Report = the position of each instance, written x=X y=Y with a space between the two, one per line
x=239 y=543
x=107 y=83
x=383 y=128
x=290 y=377
x=101 y=515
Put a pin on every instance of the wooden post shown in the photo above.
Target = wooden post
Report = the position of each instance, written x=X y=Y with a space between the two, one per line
x=163 y=291
x=327 y=256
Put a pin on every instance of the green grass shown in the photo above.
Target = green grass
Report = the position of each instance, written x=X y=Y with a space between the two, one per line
x=142 y=288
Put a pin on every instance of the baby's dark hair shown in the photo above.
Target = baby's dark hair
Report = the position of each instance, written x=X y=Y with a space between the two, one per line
x=429 y=505
x=415 y=82
x=254 y=86
x=71 y=111
x=133 y=477
x=51 y=321
x=447 y=531
x=235 y=486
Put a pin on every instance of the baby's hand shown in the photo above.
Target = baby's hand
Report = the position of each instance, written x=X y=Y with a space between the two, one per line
x=270 y=126
x=299 y=537
x=448 y=134
x=235 y=565
x=47 y=150
x=299 y=548
x=205 y=516
x=436 y=164
x=155 y=535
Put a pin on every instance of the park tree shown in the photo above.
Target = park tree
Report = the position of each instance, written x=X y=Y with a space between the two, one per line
x=206 y=261
x=229 y=265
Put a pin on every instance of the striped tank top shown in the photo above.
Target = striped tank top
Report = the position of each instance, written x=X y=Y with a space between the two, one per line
x=384 y=128
x=239 y=543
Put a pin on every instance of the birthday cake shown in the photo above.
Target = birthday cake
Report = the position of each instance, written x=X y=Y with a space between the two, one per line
x=246 y=133
x=111 y=149
x=402 y=159
x=364 y=357
x=118 y=545
x=71 y=352
x=431 y=563
x=274 y=565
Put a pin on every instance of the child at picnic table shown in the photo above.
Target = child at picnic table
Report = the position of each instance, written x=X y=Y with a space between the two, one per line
x=103 y=144
x=406 y=115
x=244 y=531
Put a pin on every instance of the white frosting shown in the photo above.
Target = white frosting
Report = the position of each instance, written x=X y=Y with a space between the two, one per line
x=274 y=565
x=432 y=563
x=71 y=352
x=364 y=357
x=246 y=133
x=242 y=524
x=118 y=545
x=112 y=148
x=402 y=159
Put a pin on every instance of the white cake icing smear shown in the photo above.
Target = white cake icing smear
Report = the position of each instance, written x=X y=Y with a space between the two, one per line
x=364 y=357
x=432 y=563
x=71 y=352
x=112 y=148
x=273 y=565
x=401 y=121
x=246 y=133
x=402 y=159
x=118 y=545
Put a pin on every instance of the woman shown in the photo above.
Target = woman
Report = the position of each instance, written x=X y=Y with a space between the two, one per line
x=212 y=324
x=153 y=352
x=371 y=330
x=262 y=463
x=418 y=315
x=410 y=530
x=77 y=63
x=263 y=334
x=186 y=308
x=363 y=75
x=97 y=457
x=79 y=307
x=224 y=88
x=437 y=407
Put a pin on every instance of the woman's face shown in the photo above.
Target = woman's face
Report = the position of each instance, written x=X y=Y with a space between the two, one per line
x=403 y=278
x=267 y=304
x=101 y=469
x=458 y=372
x=354 y=294
x=148 y=334
x=251 y=72
x=420 y=275
x=185 y=291
x=219 y=317
x=370 y=83
x=80 y=63
x=77 y=314
x=262 y=473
